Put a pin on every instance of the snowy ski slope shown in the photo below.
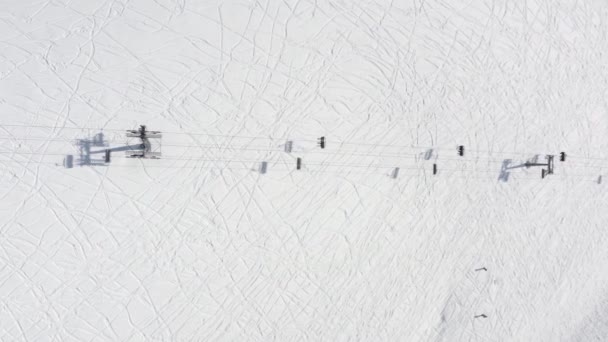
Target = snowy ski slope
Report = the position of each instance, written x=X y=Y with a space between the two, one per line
x=202 y=246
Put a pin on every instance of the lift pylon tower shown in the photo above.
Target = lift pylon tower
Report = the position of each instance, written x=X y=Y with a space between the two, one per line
x=149 y=146
x=549 y=164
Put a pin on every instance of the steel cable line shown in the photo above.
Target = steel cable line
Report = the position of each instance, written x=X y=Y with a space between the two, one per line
x=338 y=152
x=453 y=175
x=413 y=162
x=123 y=130
x=316 y=162
x=312 y=150
x=286 y=165
x=317 y=151
x=203 y=159
x=283 y=139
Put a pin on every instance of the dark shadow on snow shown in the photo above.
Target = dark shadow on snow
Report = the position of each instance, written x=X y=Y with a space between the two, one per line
x=428 y=154
x=506 y=167
x=504 y=171
x=85 y=152
x=92 y=151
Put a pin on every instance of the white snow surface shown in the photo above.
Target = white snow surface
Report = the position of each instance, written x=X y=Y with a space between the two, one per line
x=200 y=245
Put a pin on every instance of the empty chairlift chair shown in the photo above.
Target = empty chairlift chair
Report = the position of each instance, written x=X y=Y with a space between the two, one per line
x=321 y=142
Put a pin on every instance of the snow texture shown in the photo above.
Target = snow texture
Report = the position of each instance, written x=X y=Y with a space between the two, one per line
x=223 y=239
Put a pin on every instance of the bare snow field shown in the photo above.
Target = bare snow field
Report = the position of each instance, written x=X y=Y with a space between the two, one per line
x=223 y=239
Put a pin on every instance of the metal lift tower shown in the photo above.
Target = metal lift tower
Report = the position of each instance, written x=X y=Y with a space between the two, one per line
x=149 y=147
x=549 y=164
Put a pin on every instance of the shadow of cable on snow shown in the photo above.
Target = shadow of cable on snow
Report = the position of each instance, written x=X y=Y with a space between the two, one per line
x=507 y=167
x=86 y=154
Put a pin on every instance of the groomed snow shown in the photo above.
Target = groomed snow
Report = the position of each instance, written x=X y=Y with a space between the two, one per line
x=201 y=245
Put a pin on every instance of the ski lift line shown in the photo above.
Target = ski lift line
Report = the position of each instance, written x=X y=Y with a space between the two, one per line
x=204 y=145
x=264 y=148
x=286 y=167
x=444 y=160
x=273 y=166
x=395 y=156
x=289 y=166
x=419 y=165
x=324 y=164
x=166 y=132
x=345 y=153
x=447 y=160
x=506 y=152
x=589 y=177
x=122 y=130
x=267 y=138
x=140 y=166
x=40 y=139
x=315 y=151
x=321 y=164
x=587 y=158
x=32 y=153
x=315 y=167
x=57 y=127
x=203 y=158
x=415 y=147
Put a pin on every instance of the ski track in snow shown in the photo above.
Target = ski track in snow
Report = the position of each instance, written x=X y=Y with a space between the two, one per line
x=201 y=245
